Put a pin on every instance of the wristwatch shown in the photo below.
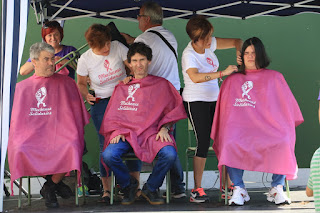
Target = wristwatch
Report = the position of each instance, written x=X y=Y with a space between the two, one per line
x=168 y=128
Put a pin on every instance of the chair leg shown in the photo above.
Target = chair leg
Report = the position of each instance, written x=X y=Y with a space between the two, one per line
x=6 y=190
x=168 y=187
x=287 y=188
x=220 y=192
x=112 y=188
x=225 y=178
x=7 y=173
x=76 y=189
x=29 y=191
x=187 y=170
x=83 y=190
x=220 y=189
x=20 y=188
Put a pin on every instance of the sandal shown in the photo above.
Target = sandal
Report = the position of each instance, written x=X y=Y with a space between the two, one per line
x=105 y=199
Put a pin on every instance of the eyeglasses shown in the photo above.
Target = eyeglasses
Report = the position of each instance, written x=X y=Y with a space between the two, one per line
x=139 y=16
x=51 y=24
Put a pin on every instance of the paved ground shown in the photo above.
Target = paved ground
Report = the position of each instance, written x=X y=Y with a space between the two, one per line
x=258 y=203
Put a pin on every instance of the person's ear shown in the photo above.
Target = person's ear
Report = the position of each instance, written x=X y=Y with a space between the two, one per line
x=33 y=61
x=148 y=19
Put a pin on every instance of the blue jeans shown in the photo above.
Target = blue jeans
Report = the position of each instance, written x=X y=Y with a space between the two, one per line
x=112 y=157
x=236 y=178
x=97 y=112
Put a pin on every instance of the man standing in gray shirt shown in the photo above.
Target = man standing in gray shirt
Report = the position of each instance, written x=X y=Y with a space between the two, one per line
x=164 y=64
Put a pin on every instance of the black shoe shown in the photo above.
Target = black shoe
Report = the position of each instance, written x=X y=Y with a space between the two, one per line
x=129 y=193
x=152 y=197
x=175 y=195
x=63 y=190
x=48 y=191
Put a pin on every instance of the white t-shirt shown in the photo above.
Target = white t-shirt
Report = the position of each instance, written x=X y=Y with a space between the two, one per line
x=104 y=71
x=164 y=64
x=205 y=63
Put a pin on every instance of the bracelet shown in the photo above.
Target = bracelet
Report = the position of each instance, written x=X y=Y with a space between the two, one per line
x=221 y=74
x=130 y=75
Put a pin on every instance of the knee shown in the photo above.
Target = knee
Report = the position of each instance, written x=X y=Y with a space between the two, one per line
x=109 y=156
x=169 y=153
x=202 y=151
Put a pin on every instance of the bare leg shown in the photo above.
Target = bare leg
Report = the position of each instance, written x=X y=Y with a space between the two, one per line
x=198 y=168
x=136 y=175
x=56 y=178
x=106 y=183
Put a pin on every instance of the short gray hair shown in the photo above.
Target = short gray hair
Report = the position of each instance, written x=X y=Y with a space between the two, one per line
x=154 y=11
x=37 y=48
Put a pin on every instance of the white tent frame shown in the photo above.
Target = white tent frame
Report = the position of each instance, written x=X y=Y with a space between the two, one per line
x=184 y=13
x=6 y=63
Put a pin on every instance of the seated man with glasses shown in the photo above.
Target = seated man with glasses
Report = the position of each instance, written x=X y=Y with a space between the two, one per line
x=47 y=126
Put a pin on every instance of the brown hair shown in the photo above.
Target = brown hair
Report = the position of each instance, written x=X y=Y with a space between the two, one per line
x=198 y=27
x=141 y=48
x=49 y=27
x=97 y=35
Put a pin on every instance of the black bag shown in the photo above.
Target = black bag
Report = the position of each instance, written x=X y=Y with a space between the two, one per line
x=115 y=34
x=91 y=180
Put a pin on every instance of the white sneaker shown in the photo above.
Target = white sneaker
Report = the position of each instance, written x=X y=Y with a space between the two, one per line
x=277 y=195
x=240 y=195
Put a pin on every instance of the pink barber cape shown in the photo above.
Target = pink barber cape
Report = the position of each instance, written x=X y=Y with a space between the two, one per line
x=138 y=110
x=47 y=127
x=254 y=123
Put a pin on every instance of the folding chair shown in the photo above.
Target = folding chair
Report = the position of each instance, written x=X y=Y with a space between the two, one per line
x=190 y=152
x=29 y=190
x=131 y=156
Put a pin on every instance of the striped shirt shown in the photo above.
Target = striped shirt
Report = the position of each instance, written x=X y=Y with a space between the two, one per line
x=314 y=179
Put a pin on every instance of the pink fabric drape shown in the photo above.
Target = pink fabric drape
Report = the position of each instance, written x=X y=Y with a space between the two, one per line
x=254 y=123
x=138 y=110
x=47 y=127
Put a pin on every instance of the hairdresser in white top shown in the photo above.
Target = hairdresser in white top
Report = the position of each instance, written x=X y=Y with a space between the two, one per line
x=200 y=73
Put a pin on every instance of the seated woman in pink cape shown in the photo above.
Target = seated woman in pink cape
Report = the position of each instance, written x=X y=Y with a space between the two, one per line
x=254 y=124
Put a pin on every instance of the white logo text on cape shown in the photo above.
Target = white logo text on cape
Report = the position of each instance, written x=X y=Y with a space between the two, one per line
x=245 y=101
x=40 y=96
x=131 y=90
x=127 y=105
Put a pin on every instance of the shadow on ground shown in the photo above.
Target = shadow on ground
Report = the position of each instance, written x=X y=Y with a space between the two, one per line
x=258 y=203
